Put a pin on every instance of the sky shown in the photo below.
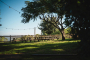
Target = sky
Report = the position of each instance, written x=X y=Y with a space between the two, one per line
x=11 y=19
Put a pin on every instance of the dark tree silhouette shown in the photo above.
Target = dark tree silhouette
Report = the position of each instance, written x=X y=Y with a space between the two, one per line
x=78 y=12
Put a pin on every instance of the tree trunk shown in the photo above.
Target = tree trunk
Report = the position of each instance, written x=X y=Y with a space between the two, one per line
x=63 y=37
x=63 y=34
x=62 y=30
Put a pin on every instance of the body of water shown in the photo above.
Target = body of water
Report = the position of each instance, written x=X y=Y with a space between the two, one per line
x=9 y=38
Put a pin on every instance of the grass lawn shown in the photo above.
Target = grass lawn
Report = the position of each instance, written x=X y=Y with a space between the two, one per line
x=26 y=50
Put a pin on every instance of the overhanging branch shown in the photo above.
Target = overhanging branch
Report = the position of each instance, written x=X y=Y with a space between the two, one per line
x=47 y=20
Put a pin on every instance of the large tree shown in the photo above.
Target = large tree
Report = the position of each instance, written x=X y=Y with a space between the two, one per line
x=78 y=13
x=77 y=16
x=40 y=7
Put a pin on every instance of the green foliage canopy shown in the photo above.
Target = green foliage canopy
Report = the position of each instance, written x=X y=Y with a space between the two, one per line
x=39 y=7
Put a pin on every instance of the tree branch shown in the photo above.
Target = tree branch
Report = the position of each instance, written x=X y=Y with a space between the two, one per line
x=55 y=20
x=66 y=26
x=47 y=20
x=52 y=24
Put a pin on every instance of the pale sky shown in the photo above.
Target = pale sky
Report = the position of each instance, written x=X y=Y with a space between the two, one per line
x=11 y=19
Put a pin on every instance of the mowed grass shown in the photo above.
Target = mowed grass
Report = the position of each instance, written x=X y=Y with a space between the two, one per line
x=68 y=46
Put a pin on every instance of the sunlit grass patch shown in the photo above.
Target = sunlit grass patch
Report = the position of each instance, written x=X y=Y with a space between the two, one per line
x=5 y=45
x=25 y=48
x=57 y=49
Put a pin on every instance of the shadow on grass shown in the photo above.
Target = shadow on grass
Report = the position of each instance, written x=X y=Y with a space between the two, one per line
x=63 y=48
x=68 y=39
x=42 y=48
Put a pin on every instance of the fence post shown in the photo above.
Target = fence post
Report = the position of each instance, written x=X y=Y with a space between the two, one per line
x=10 y=38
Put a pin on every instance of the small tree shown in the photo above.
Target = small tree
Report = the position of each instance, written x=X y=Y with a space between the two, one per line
x=47 y=28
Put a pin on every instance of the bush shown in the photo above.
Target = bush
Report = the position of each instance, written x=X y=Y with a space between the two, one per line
x=37 y=34
x=57 y=32
x=3 y=39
